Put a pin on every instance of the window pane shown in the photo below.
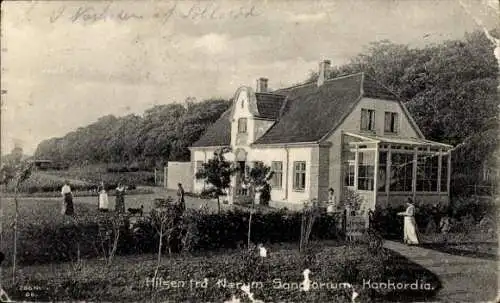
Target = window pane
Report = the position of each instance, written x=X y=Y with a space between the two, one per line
x=401 y=172
x=372 y=120
x=242 y=125
x=427 y=173
x=387 y=122
x=364 y=119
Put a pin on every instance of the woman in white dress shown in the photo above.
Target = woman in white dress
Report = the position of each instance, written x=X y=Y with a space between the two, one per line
x=103 y=199
x=410 y=225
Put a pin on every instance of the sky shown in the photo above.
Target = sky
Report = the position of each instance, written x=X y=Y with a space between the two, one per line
x=67 y=63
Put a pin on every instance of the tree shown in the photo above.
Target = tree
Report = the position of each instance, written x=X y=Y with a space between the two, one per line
x=17 y=173
x=163 y=220
x=217 y=173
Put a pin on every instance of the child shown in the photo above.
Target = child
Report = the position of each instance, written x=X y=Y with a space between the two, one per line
x=103 y=199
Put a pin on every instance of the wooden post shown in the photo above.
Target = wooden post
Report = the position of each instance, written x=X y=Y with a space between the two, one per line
x=375 y=176
x=356 y=167
x=448 y=180
x=165 y=175
x=440 y=167
x=414 y=174
x=156 y=179
x=388 y=173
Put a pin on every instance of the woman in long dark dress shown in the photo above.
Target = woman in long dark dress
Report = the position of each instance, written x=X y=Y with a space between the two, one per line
x=120 y=199
x=67 y=207
x=180 y=197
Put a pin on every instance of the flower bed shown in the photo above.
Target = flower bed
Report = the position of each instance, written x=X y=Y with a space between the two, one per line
x=276 y=278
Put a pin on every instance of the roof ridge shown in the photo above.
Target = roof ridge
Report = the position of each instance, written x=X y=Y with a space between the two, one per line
x=344 y=76
x=270 y=93
x=295 y=86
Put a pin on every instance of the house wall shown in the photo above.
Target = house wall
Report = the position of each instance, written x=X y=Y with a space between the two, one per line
x=290 y=198
x=352 y=123
x=199 y=155
x=180 y=172
x=380 y=106
x=242 y=110
x=319 y=176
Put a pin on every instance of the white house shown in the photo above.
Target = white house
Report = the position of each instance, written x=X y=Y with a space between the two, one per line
x=347 y=132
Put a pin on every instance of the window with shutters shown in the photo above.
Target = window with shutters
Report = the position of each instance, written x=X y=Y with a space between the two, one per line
x=391 y=122
x=367 y=119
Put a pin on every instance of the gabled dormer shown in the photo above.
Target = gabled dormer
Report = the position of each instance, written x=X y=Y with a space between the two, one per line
x=253 y=113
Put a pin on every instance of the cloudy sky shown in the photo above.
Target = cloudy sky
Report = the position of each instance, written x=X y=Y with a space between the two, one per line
x=65 y=64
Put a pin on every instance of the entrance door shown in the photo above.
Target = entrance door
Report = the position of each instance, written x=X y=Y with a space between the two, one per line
x=240 y=177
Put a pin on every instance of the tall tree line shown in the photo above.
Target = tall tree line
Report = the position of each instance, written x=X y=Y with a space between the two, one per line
x=450 y=89
x=162 y=133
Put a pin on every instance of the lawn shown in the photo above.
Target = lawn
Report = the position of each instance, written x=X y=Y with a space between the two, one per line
x=475 y=243
x=36 y=209
x=276 y=278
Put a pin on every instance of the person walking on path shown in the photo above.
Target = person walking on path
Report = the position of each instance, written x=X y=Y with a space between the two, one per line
x=103 y=199
x=180 y=197
x=67 y=204
x=120 y=199
x=410 y=225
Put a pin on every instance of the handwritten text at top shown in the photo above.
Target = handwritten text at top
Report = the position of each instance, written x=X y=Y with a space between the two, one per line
x=89 y=14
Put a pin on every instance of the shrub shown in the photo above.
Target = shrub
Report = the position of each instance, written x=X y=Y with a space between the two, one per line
x=197 y=229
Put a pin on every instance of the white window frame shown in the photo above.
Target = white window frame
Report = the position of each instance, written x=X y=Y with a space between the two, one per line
x=299 y=170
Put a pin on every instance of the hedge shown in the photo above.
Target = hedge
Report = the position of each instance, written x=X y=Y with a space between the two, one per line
x=46 y=242
x=466 y=211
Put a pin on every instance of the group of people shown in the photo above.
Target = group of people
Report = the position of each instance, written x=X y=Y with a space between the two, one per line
x=67 y=207
x=103 y=200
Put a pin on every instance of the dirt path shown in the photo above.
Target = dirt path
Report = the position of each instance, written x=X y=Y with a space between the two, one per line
x=464 y=279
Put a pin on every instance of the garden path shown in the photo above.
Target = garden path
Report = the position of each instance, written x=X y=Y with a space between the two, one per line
x=464 y=279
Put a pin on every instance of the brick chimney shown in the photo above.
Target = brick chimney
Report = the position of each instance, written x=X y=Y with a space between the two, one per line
x=261 y=85
x=324 y=67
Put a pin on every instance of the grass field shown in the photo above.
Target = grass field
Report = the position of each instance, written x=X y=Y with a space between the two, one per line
x=35 y=209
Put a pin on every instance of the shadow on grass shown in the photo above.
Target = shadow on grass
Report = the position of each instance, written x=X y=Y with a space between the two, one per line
x=477 y=249
x=421 y=284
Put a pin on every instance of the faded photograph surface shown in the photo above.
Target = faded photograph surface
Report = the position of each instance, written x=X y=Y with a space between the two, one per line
x=249 y=151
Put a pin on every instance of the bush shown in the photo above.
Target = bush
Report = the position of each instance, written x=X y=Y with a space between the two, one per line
x=198 y=231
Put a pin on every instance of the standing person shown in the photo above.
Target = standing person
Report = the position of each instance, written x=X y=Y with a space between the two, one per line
x=67 y=204
x=120 y=199
x=103 y=199
x=332 y=203
x=410 y=225
x=180 y=197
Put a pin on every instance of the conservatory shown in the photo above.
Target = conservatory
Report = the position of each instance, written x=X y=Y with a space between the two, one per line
x=385 y=171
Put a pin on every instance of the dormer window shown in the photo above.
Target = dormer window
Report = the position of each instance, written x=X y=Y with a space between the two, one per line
x=391 y=122
x=242 y=125
x=367 y=119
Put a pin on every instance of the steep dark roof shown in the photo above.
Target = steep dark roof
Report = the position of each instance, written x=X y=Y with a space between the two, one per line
x=269 y=105
x=303 y=113
x=310 y=111
x=217 y=134
x=373 y=89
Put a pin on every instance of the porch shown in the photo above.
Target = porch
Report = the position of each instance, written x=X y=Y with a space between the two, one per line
x=385 y=171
